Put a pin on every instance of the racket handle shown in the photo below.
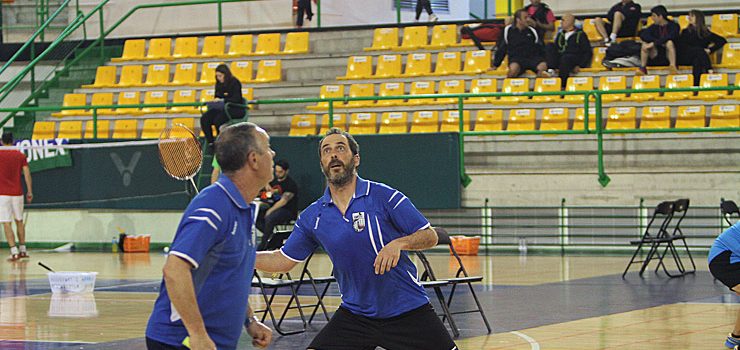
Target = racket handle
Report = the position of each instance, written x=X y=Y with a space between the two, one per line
x=194 y=186
x=46 y=267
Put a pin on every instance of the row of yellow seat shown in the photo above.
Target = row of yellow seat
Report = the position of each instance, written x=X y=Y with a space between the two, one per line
x=121 y=128
x=616 y=118
x=185 y=74
x=522 y=85
x=446 y=35
x=134 y=98
x=213 y=46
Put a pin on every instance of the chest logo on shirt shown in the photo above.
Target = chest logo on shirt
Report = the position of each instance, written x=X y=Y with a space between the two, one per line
x=358 y=221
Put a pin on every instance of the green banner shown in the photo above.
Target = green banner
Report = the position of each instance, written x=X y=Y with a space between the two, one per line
x=44 y=154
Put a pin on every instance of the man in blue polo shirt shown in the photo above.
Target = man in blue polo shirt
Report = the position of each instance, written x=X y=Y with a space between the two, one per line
x=724 y=264
x=366 y=228
x=203 y=297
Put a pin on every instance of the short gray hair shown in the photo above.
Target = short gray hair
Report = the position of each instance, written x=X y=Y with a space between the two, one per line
x=234 y=144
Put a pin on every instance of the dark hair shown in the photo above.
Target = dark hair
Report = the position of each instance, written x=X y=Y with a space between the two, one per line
x=234 y=144
x=8 y=138
x=660 y=10
x=222 y=68
x=282 y=163
x=701 y=25
x=353 y=145
x=518 y=13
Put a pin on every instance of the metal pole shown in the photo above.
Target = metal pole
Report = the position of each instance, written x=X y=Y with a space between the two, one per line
x=398 y=11
x=95 y=123
x=464 y=178
x=487 y=228
x=603 y=178
x=102 y=39
x=318 y=13
x=331 y=114
x=220 y=17
x=509 y=8
x=485 y=9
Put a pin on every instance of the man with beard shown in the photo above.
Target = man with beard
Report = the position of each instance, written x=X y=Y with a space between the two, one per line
x=366 y=228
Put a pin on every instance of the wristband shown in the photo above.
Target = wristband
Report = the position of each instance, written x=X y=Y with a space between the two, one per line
x=250 y=319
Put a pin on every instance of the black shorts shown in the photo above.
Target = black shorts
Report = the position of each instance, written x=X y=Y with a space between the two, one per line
x=661 y=59
x=417 y=329
x=724 y=271
x=527 y=63
x=624 y=31
x=152 y=344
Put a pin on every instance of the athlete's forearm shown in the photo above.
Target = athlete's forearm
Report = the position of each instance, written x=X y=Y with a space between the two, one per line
x=273 y=261
x=419 y=240
x=179 y=282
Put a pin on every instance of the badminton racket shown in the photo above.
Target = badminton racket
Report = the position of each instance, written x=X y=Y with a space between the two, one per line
x=180 y=153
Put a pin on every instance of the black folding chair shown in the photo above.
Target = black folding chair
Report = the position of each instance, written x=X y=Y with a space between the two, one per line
x=429 y=281
x=680 y=207
x=729 y=209
x=653 y=231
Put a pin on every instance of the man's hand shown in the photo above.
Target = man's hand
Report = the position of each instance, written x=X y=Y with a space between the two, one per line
x=29 y=197
x=649 y=45
x=201 y=342
x=387 y=258
x=708 y=51
x=531 y=22
x=261 y=334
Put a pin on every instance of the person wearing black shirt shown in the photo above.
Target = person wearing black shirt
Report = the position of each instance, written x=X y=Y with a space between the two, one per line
x=659 y=42
x=228 y=98
x=524 y=47
x=570 y=51
x=303 y=8
x=540 y=18
x=696 y=43
x=282 y=199
x=425 y=5
x=623 y=19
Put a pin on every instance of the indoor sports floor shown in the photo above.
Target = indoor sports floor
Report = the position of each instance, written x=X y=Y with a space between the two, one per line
x=532 y=302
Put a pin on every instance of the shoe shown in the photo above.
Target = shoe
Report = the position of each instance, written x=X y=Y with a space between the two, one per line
x=433 y=18
x=544 y=74
x=607 y=42
x=14 y=257
x=672 y=70
x=732 y=342
x=609 y=64
x=641 y=71
x=23 y=255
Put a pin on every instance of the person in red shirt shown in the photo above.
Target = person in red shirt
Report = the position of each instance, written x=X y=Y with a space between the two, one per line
x=11 y=196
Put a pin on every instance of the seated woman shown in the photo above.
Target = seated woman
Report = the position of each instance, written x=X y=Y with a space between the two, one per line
x=229 y=99
x=696 y=43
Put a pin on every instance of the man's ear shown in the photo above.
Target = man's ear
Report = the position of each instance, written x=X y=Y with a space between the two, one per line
x=356 y=159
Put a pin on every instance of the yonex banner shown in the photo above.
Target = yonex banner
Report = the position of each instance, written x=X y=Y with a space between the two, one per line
x=44 y=154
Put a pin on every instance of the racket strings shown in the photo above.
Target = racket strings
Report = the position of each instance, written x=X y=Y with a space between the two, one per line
x=180 y=152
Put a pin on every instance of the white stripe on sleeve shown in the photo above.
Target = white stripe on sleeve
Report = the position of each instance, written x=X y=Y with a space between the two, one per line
x=206 y=219
x=399 y=202
x=289 y=258
x=185 y=257
x=210 y=211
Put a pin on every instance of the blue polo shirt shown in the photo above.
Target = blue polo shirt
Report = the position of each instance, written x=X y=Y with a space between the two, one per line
x=216 y=235
x=728 y=240
x=376 y=215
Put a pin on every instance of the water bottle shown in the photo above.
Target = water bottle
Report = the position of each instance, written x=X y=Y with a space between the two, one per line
x=114 y=245
x=522 y=245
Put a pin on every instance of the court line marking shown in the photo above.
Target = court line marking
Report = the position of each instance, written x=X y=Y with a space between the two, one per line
x=532 y=343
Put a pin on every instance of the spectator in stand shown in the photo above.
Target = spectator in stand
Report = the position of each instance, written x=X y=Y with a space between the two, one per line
x=481 y=32
x=571 y=50
x=229 y=103
x=621 y=21
x=696 y=43
x=425 y=5
x=540 y=18
x=281 y=202
x=303 y=7
x=659 y=42
x=524 y=47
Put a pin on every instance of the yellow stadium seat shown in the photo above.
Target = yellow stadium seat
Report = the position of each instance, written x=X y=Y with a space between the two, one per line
x=514 y=85
x=477 y=62
x=302 y=125
x=213 y=46
x=393 y=123
x=157 y=75
x=128 y=98
x=451 y=121
x=105 y=76
x=712 y=80
x=480 y=86
x=70 y=129
x=155 y=97
x=185 y=47
x=389 y=66
x=546 y=85
x=185 y=74
x=589 y=27
x=724 y=116
x=447 y=63
x=207 y=95
x=580 y=118
x=186 y=122
x=329 y=91
x=450 y=87
x=683 y=21
x=340 y=121
x=414 y=38
x=361 y=90
x=296 y=43
x=489 y=120
x=358 y=67
x=424 y=122
x=444 y=35
x=418 y=64
x=153 y=128
x=578 y=84
x=521 y=120
x=554 y=119
x=133 y=50
x=736 y=93
x=242 y=70
x=615 y=82
x=655 y=117
x=269 y=71
x=268 y=44
x=43 y=130
x=620 y=118
x=159 y=48
x=240 y=45
x=72 y=100
x=363 y=123
x=384 y=39
x=103 y=129
x=125 y=129
x=645 y=82
x=730 y=56
x=725 y=24
x=248 y=93
x=597 y=58
x=102 y=99
x=208 y=73
x=184 y=96
x=421 y=88
x=691 y=117
x=678 y=81
x=391 y=89
x=131 y=76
